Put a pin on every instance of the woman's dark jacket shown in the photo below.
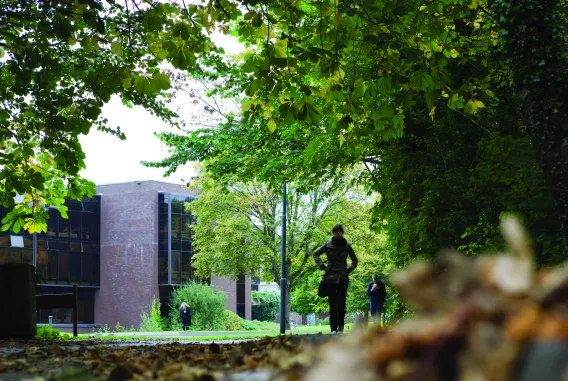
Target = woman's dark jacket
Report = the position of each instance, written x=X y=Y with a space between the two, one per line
x=378 y=295
x=337 y=251
x=185 y=316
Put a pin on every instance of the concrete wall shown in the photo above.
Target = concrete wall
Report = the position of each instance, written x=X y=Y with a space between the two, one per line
x=129 y=250
x=229 y=287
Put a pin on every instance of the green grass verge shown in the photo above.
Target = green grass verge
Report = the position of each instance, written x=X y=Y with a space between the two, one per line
x=173 y=338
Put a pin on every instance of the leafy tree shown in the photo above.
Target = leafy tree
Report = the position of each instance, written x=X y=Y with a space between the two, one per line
x=62 y=60
x=330 y=84
x=534 y=35
x=238 y=228
x=265 y=305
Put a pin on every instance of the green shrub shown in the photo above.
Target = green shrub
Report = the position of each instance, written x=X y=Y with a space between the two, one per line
x=152 y=322
x=265 y=305
x=47 y=332
x=207 y=306
x=323 y=321
x=231 y=321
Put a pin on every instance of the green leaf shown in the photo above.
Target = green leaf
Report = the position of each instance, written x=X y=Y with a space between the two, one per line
x=280 y=48
x=473 y=106
x=87 y=44
x=456 y=101
x=272 y=125
x=384 y=85
x=143 y=85
x=161 y=81
x=421 y=81
x=116 y=48
x=126 y=81
x=359 y=88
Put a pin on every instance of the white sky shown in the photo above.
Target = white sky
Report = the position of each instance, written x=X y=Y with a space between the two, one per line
x=111 y=160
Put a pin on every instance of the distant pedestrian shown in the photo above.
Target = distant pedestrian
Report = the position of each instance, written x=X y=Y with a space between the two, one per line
x=376 y=292
x=185 y=315
x=336 y=275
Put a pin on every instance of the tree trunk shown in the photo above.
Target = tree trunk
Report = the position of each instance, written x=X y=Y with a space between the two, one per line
x=535 y=50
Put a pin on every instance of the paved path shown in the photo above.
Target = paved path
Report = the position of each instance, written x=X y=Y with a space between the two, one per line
x=174 y=334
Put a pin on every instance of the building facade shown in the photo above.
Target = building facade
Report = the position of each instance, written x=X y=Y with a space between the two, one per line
x=128 y=244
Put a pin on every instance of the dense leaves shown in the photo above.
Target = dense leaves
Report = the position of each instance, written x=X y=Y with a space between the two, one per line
x=61 y=62
x=265 y=305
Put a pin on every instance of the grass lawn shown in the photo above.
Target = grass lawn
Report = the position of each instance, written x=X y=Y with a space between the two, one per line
x=236 y=336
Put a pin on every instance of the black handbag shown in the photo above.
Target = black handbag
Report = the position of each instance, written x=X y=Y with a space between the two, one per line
x=323 y=289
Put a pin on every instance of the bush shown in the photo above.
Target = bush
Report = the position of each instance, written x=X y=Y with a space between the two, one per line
x=47 y=332
x=265 y=305
x=322 y=321
x=207 y=306
x=152 y=322
x=231 y=321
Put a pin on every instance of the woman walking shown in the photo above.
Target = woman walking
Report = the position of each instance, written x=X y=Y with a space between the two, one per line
x=337 y=249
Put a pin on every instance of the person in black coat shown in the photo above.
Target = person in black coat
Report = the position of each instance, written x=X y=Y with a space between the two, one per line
x=337 y=249
x=185 y=315
x=376 y=292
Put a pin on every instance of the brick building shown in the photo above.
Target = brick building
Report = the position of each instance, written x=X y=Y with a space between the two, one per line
x=129 y=243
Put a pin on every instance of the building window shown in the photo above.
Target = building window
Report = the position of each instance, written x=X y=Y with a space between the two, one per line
x=68 y=252
x=175 y=242
x=241 y=296
x=85 y=301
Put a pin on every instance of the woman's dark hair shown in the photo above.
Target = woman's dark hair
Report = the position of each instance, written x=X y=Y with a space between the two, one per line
x=375 y=277
x=337 y=228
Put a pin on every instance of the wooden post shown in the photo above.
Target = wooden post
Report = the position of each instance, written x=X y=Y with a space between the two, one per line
x=75 y=311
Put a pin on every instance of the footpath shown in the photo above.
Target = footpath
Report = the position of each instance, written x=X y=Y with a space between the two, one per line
x=176 y=334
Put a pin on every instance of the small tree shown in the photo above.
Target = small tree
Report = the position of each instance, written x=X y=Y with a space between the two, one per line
x=207 y=306
x=154 y=321
x=266 y=305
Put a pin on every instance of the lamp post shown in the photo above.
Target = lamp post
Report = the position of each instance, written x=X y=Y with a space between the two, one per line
x=283 y=255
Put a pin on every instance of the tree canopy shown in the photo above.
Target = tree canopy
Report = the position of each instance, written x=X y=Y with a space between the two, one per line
x=61 y=61
x=327 y=84
x=323 y=85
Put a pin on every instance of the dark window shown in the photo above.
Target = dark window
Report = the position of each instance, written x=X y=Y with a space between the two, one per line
x=86 y=226
x=163 y=267
x=177 y=206
x=41 y=266
x=63 y=227
x=174 y=239
x=176 y=267
x=186 y=246
x=4 y=255
x=176 y=244
x=186 y=227
x=241 y=296
x=176 y=227
x=52 y=266
x=76 y=205
x=75 y=247
x=88 y=269
x=28 y=256
x=86 y=306
x=63 y=276
x=186 y=273
x=241 y=310
x=75 y=225
x=75 y=267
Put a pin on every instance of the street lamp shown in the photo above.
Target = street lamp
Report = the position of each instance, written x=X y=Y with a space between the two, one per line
x=283 y=255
